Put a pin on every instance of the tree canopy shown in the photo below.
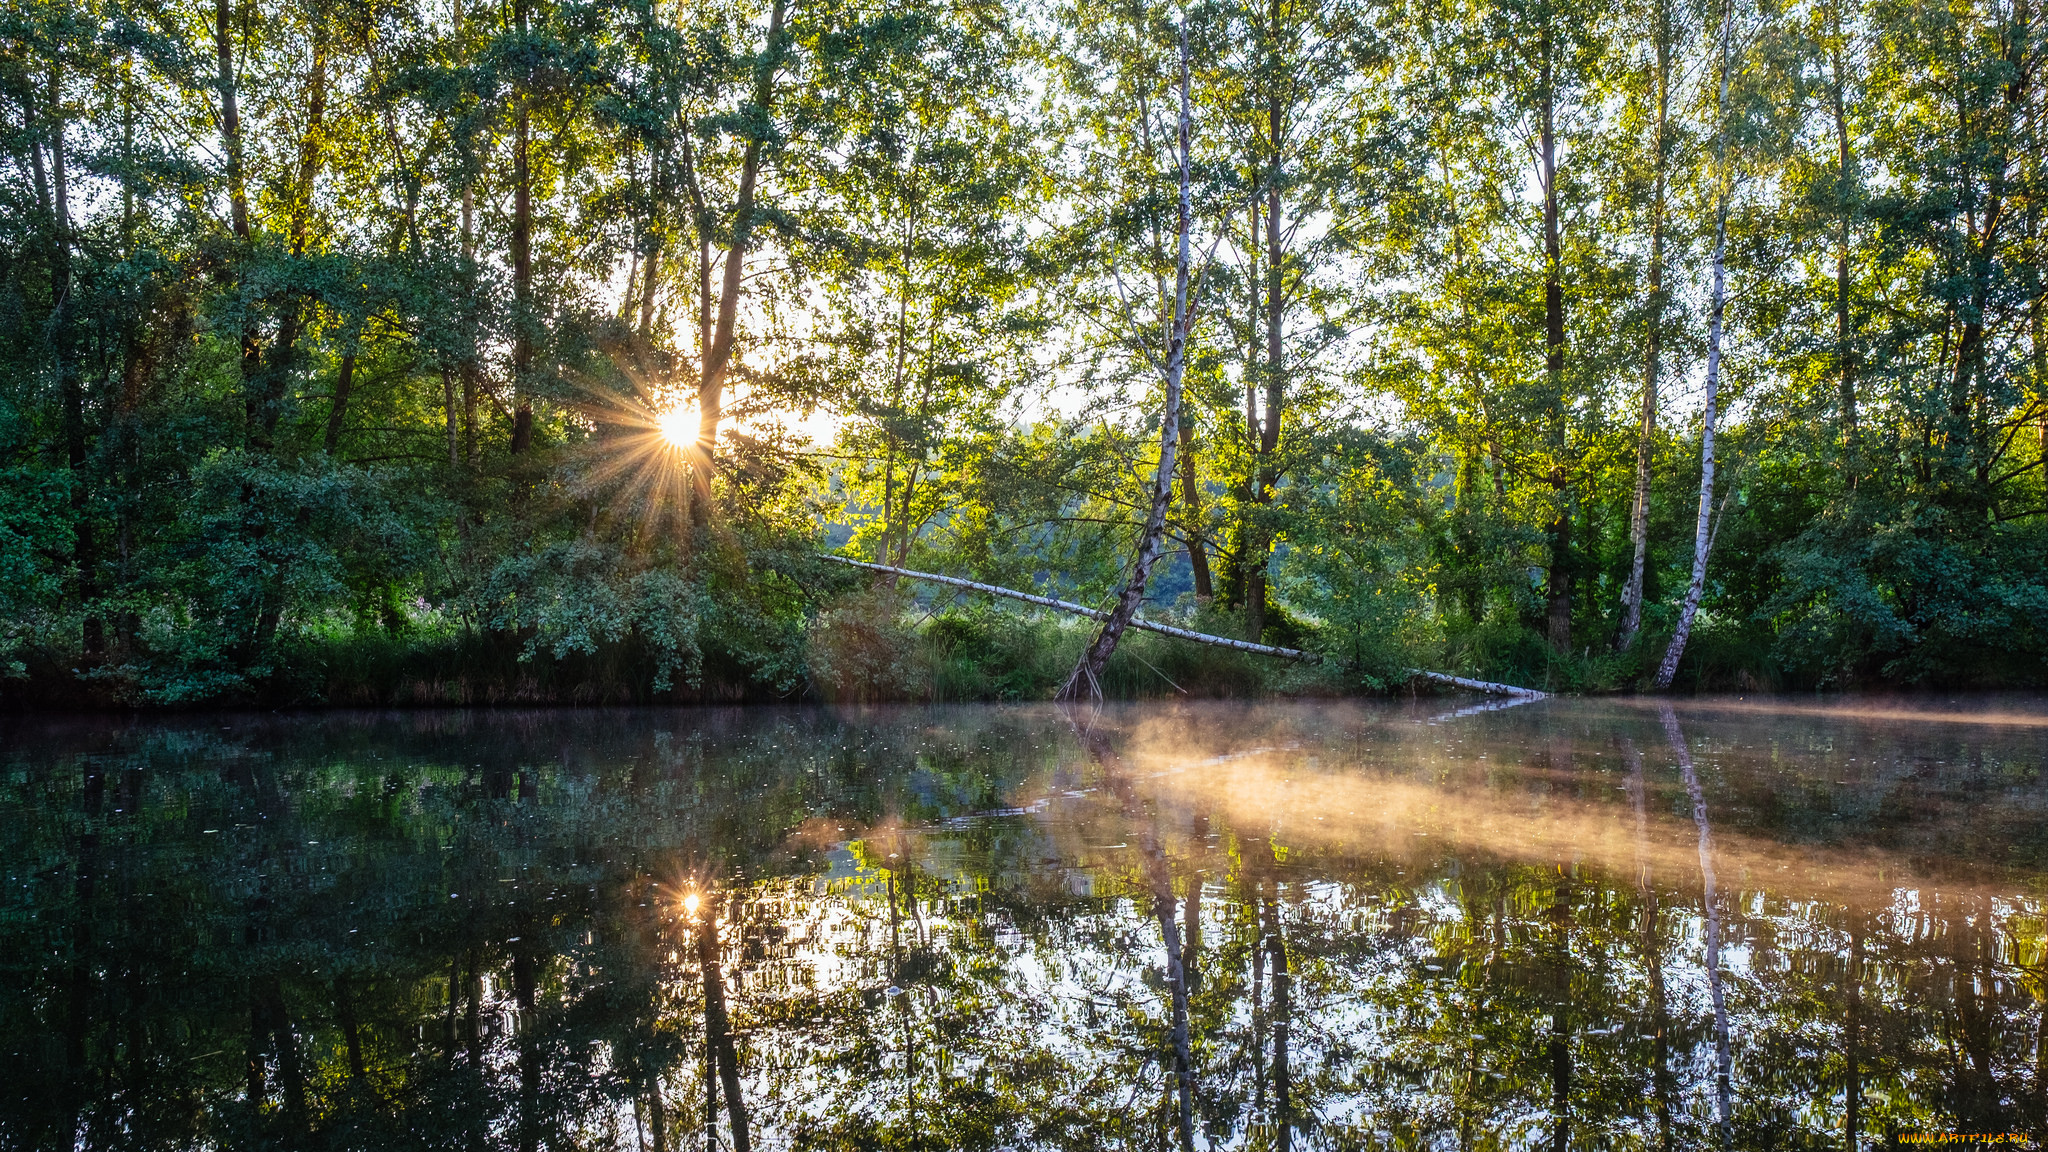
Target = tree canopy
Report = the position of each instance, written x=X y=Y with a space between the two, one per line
x=422 y=351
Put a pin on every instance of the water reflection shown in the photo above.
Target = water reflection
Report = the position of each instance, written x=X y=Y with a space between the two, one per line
x=1563 y=925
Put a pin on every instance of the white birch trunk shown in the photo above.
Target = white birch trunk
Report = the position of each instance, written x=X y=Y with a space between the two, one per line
x=1086 y=678
x=1703 y=537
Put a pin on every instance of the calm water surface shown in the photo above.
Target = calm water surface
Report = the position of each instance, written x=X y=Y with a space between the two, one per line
x=1294 y=926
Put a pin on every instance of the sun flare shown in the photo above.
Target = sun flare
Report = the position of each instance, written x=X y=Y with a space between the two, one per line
x=677 y=426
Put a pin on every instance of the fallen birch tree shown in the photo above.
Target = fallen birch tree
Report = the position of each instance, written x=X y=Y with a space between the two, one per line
x=1068 y=606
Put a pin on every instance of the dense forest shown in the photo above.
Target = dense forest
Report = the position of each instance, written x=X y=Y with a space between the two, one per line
x=404 y=351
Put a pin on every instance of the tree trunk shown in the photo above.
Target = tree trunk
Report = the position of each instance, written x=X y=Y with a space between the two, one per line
x=1560 y=1022
x=71 y=386
x=524 y=993
x=238 y=213
x=1852 y=1089
x=277 y=376
x=1559 y=586
x=1703 y=528
x=718 y=352
x=1177 y=984
x=1191 y=516
x=522 y=258
x=1242 y=531
x=1258 y=546
x=717 y=1025
x=338 y=410
x=651 y=246
x=1845 y=349
x=1283 y=1026
x=1653 y=348
x=1652 y=952
x=1722 y=1063
x=471 y=369
x=290 y=1070
x=351 y=1032
x=657 y=1116
x=1086 y=677
x=1257 y=908
x=450 y=417
x=650 y=278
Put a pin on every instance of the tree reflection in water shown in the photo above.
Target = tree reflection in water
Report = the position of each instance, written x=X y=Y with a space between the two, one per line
x=1271 y=927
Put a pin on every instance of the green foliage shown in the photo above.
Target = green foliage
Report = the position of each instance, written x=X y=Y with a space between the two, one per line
x=360 y=393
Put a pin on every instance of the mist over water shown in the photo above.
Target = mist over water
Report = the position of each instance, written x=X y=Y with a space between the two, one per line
x=1425 y=924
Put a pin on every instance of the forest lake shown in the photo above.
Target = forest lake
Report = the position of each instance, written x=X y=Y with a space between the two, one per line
x=1432 y=924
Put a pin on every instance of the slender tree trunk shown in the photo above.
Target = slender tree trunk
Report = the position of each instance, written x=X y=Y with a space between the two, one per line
x=657 y=1116
x=1191 y=516
x=238 y=216
x=1259 y=543
x=717 y=1025
x=1852 y=1089
x=1177 y=984
x=525 y=994
x=256 y=1086
x=1703 y=528
x=290 y=1070
x=81 y=992
x=1283 y=1027
x=337 y=412
x=718 y=351
x=1242 y=533
x=1086 y=678
x=71 y=385
x=1559 y=586
x=523 y=319
x=451 y=417
x=650 y=259
x=1653 y=347
x=473 y=1035
x=1560 y=1024
x=650 y=279
x=448 y=1042
x=1723 y=1065
x=471 y=368
x=1191 y=951
x=700 y=226
x=710 y=1087
x=1255 y=899
x=1845 y=192
x=351 y=1032
x=1652 y=951
x=277 y=375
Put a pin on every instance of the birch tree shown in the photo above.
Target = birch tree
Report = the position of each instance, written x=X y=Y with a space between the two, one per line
x=1165 y=349
x=1703 y=530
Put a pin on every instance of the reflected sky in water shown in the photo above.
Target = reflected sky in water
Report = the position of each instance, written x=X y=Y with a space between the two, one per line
x=1344 y=925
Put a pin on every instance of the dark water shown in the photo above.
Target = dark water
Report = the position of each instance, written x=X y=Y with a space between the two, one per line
x=1563 y=924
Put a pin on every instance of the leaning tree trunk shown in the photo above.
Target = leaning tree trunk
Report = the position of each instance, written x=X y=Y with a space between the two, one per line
x=1703 y=534
x=718 y=349
x=1086 y=678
